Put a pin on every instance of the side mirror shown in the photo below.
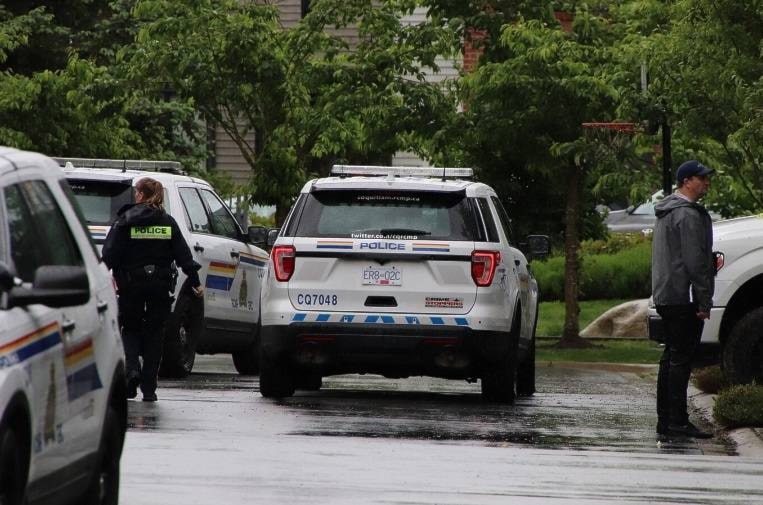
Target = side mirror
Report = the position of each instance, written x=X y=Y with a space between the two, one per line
x=257 y=234
x=272 y=236
x=538 y=246
x=54 y=286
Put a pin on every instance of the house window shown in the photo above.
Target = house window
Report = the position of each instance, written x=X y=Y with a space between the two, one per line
x=305 y=7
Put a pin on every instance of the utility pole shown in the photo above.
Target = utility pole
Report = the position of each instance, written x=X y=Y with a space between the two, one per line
x=667 y=155
x=667 y=158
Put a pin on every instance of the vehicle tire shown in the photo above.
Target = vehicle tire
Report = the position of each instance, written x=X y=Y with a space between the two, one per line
x=247 y=361
x=310 y=382
x=498 y=382
x=743 y=350
x=526 y=373
x=13 y=471
x=104 y=484
x=276 y=379
x=180 y=337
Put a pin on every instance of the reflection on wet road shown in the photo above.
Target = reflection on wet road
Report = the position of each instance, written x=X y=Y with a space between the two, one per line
x=587 y=436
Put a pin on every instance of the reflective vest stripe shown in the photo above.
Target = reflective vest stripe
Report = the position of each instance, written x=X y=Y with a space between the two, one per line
x=152 y=232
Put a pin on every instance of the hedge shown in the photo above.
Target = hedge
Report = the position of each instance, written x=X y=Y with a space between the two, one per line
x=624 y=274
x=740 y=406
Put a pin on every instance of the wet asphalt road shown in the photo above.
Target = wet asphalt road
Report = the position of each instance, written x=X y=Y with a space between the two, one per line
x=587 y=437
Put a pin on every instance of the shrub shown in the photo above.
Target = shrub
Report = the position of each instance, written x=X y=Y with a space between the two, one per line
x=740 y=405
x=624 y=274
x=614 y=243
x=709 y=379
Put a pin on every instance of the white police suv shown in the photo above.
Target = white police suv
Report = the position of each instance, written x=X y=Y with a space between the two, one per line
x=232 y=264
x=63 y=409
x=399 y=271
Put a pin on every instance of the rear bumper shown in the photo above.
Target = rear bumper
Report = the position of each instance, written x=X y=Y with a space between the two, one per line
x=388 y=349
x=710 y=332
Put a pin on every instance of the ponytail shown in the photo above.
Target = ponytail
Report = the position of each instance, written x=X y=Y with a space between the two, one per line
x=153 y=192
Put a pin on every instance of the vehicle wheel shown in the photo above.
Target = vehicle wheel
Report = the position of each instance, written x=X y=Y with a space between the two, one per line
x=180 y=337
x=310 y=382
x=498 y=382
x=526 y=373
x=276 y=380
x=13 y=472
x=247 y=362
x=104 y=484
x=743 y=350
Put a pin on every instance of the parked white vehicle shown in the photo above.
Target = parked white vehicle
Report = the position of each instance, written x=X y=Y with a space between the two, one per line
x=399 y=271
x=63 y=409
x=232 y=264
x=735 y=326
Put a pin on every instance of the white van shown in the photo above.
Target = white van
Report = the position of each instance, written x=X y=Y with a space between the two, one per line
x=63 y=409
x=232 y=264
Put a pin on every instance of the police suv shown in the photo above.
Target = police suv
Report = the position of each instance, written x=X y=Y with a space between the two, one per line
x=232 y=264
x=399 y=271
x=63 y=409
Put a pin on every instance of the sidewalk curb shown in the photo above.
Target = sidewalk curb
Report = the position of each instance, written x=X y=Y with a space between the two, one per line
x=749 y=441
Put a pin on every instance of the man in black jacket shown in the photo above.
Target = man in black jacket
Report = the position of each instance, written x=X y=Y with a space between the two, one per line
x=140 y=249
x=682 y=289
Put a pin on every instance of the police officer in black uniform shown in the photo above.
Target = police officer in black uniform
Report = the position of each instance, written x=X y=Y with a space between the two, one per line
x=140 y=249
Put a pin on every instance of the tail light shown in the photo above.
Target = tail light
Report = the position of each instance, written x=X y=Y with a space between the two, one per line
x=484 y=264
x=719 y=259
x=283 y=262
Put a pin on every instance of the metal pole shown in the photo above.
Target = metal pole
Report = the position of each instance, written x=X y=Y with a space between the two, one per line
x=667 y=159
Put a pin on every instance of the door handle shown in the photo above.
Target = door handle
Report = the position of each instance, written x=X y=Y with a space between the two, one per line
x=198 y=248
x=68 y=326
x=101 y=307
x=234 y=254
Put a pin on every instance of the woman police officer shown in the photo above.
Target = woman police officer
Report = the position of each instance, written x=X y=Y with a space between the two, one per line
x=140 y=248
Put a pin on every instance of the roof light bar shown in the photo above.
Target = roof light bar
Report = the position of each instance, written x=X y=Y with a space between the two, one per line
x=445 y=172
x=174 y=167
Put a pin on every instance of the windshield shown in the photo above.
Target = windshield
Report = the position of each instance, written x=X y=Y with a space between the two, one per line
x=101 y=200
x=372 y=214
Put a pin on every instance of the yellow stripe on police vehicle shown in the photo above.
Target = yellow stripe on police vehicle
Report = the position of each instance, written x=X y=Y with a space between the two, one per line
x=152 y=232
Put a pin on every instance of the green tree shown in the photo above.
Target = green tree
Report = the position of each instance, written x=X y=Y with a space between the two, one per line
x=705 y=74
x=524 y=124
x=310 y=97
x=64 y=92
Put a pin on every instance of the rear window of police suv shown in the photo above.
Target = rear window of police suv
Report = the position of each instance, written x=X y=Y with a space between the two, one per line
x=401 y=215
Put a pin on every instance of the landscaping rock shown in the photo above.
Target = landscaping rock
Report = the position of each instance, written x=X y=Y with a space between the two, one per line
x=627 y=320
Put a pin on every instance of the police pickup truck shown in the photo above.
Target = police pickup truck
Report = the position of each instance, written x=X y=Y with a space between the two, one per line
x=63 y=409
x=399 y=271
x=232 y=264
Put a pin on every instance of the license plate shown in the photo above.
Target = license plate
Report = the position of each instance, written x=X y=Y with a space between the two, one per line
x=382 y=276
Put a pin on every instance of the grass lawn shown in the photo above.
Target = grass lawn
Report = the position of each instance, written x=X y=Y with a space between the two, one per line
x=611 y=351
x=551 y=322
x=551 y=315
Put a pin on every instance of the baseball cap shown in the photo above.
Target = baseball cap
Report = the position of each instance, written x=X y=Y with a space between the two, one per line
x=691 y=168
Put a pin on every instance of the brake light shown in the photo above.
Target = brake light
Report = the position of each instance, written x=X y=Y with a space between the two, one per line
x=283 y=262
x=484 y=264
x=719 y=259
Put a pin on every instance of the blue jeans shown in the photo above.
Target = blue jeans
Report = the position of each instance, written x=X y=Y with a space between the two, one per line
x=683 y=331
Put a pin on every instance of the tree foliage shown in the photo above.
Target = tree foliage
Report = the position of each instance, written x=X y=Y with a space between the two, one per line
x=64 y=92
x=310 y=95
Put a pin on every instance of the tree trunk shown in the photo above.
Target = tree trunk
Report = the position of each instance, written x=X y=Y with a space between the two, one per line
x=571 y=333
x=282 y=210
